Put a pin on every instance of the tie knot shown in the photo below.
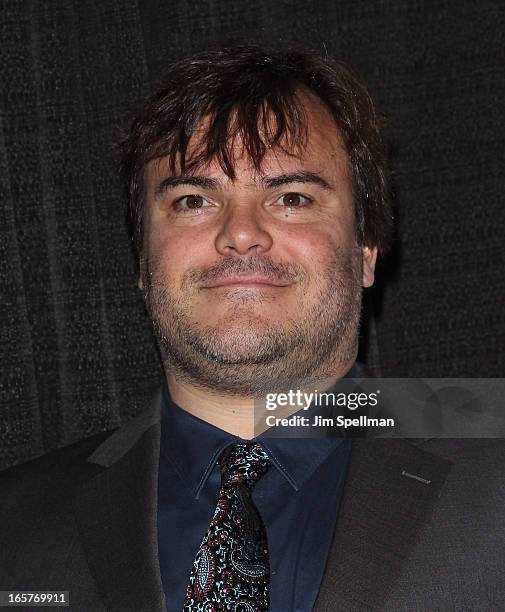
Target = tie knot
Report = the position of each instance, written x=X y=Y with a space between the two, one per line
x=243 y=463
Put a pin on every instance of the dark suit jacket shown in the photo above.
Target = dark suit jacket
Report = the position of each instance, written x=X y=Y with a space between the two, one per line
x=83 y=519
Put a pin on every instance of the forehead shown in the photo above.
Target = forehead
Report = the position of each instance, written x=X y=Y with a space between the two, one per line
x=318 y=145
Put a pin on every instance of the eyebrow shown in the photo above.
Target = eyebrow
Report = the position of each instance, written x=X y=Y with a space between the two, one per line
x=171 y=182
x=295 y=177
x=268 y=182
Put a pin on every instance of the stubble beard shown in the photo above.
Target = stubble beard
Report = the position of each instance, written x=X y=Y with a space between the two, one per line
x=248 y=355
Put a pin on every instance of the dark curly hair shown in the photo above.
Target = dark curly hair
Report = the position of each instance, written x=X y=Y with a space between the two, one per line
x=239 y=90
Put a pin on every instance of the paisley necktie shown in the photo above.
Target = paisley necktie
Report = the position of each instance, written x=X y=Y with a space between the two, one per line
x=231 y=570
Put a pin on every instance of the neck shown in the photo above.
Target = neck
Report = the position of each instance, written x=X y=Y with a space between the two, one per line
x=237 y=415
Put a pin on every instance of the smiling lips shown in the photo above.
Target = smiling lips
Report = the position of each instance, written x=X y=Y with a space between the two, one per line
x=245 y=281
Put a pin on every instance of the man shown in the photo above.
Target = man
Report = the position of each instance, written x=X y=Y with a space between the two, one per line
x=258 y=203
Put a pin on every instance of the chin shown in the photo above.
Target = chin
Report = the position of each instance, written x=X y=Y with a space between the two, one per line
x=244 y=300
x=238 y=321
x=236 y=342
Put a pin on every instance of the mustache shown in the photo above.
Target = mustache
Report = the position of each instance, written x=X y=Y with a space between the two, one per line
x=229 y=266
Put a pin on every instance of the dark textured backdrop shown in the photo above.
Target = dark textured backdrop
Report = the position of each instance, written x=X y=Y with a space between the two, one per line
x=76 y=351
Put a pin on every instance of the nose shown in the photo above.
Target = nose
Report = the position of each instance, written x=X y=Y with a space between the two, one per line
x=242 y=232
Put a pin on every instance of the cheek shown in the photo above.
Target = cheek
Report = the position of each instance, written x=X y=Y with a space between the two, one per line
x=174 y=252
x=312 y=248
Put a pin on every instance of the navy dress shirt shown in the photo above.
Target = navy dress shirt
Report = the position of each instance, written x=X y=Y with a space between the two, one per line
x=298 y=499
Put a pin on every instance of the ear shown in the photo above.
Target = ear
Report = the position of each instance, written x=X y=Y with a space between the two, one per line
x=142 y=272
x=369 y=259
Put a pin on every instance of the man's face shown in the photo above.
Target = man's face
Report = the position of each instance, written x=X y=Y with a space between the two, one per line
x=259 y=278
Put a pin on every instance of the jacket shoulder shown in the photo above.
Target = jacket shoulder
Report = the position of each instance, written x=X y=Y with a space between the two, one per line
x=467 y=450
x=45 y=477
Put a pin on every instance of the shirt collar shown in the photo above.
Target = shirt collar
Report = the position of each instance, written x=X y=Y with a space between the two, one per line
x=193 y=447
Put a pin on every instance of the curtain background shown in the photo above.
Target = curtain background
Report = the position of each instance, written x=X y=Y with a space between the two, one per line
x=77 y=354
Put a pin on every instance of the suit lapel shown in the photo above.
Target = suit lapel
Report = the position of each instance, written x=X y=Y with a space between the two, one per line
x=382 y=512
x=116 y=513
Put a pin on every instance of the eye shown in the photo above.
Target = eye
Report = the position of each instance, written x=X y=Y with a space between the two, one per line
x=190 y=202
x=294 y=200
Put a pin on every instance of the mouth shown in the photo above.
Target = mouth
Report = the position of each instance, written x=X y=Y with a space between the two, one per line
x=251 y=281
